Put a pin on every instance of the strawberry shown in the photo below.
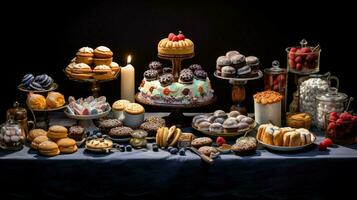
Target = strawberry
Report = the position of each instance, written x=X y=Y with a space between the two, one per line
x=166 y=91
x=333 y=118
x=322 y=146
x=339 y=122
x=328 y=142
x=171 y=36
x=220 y=141
x=331 y=125
x=346 y=116
x=335 y=114
x=181 y=36
x=175 y=38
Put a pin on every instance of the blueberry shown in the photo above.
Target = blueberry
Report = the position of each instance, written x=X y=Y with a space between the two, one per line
x=96 y=131
x=94 y=137
x=121 y=148
x=182 y=152
x=99 y=134
x=128 y=148
x=173 y=151
x=169 y=148
x=88 y=133
x=155 y=148
x=116 y=146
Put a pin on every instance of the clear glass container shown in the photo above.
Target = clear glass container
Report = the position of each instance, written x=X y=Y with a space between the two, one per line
x=303 y=59
x=331 y=101
x=311 y=86
x=341 y=128
x=275 y=78
x=12 y=135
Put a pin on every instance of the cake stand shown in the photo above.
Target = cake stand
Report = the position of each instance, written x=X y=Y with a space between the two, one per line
x=238 y=90
x=95 y=84
x=86 y=121
x=176 y=62
x=45 y=112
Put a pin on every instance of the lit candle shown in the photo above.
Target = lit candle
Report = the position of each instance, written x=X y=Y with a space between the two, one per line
x=128 y=81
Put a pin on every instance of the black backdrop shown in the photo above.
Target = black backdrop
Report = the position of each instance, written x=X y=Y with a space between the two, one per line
x=44 y=37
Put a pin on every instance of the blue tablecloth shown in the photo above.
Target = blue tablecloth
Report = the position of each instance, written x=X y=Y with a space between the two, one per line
x=142 y=174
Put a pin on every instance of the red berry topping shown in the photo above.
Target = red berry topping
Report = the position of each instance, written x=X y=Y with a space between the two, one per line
x=175 y=38
x=322 y=146
x=166 y=91
x=171 y=36
x=181 y=36
x=328 y=142
x=220 y=141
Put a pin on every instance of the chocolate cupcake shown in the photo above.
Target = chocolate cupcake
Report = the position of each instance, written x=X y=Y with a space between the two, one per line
x=245 y=146
x=76 y=133
x=150 y=75
x=106 y=125
x=229 y=54
x=151 y=127
x=200 y=75
x=195 y=67
x=228 y=71
x=186 y=71
x=156 y=65
x=166 y=80
x=230 y=125
x=253 y=62
x=244 y=72
x=238 y=61
x=222 y=61
x=220 y=113
x=156 y=119
x=219 y=120
x=216 y=128
x=167 y=70
x=120 y=132
x=186 y=77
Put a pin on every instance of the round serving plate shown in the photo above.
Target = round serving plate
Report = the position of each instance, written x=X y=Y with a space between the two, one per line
x=53 y=87
x=287 y=149
x=87 y=117
x=260 y=74
x=48 y=109
x=91 y=80
x=171 y=56
x=233 y=134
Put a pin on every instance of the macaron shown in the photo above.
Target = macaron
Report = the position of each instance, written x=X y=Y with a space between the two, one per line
x=57 y=132
x=48 y=148
x=67 y=145
x=34 y=133
x=38 y=140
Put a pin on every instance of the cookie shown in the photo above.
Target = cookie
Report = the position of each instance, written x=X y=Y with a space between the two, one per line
x=35 y=133
x=120 y=105
x=151 y=127
x=67 y=145
x=245 y=146
x=150 y=75
x=156 y=65
x=98 y=144
x=38 y=140
x=106 y=125
x=134 y=109
x=207 y=150
x=200 y=75
x=195 y=67
x=48 y=148
x=57 y=132
x=155 y=119
x=166 y=79
x=120 y=132
x=202 y=141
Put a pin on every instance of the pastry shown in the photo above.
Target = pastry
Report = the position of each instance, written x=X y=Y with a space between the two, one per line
x=151 y=127
x=229 y=54
x=267 y=97
x=204 y=126
x=175 y=45
x=186 y=137
x=228 y=71
x=267 y=107
x=85 y=55
x=67 y=145
x=38 y=140
x=134 y=115
x=118 y=108
x=103 y=61
x=36 y=101
x=166 y=137
x=200 y=74
x=48 y=148
x=244 y=72
x=220 y=113
x=219 y=120
x=247 y=120
x=230 y=125
x=195 y=67
x=99 y=144
x=114 y=66
x=253 y=62
x=222 y=61
x=233 y=113
x=57 y=132
x=202 y=141
x=81 y=68
x=54 y=100
x=156 y=65
x=240 y=117
x=242 y=126
x=120 y=132
x=106 y=125
x=155 y=119
x=216 y=128
x=167 y=70
x=245 y=146
x=27 y=79
x=150 y=75
x=208 y=151
x=186 y=77
x=237 y=61
x=102 y=52
x=166 y=79
x=76 y=133
x=102 y=72
x=35 y=133
x=299 y=120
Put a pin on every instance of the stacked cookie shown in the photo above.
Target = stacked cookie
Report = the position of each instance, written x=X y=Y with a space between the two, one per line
x=152 y=124
x=89 y=63
x=234 y=64
x=166 y=137
x=114 y=128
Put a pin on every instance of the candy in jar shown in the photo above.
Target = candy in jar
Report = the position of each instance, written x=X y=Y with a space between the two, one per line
x=12 y=136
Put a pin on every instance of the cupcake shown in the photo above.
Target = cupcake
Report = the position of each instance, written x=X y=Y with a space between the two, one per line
x=204 y=126
x=245 y=146
x=247 y=120
x=85 y=55
x=76 y=133
x=230 y=125
x=228 y=71
x=253 y=62
x=244 y=72
x=186 y=77
x=118 y=108
x=220 y=113
x=134 y=115
x=219 y=120
x=243 y=126
x=240 y=117
x=222 y=61
x=195 y=67
x=200 y=75
x=216 y=128
x=120 y=132
x=151 y=75
x=103 y=52
x=114 y=66
x=229 y=54
x=106 y=125
x=233 y=113
x=102 y=72
x=166 y=80
x=156 y=65
x=238 y=61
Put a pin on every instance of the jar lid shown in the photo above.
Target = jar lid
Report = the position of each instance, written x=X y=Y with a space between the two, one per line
x=17 y=112
x=275 y=69
x=332 y=95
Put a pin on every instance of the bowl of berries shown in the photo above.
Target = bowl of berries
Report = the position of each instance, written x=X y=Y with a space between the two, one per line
x=303 y=59
x=341 y=128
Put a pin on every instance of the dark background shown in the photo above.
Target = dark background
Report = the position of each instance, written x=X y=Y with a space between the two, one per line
x=44 y=37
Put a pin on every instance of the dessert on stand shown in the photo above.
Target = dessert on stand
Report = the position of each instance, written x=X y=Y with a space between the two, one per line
x=238 y=70
x=93 y=66
x=171 y=87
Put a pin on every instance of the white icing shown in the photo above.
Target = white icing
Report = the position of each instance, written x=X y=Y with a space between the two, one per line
x=114 y=64
x=86 y=50
x=102 y=67
x=80 y=66
x=103 y=48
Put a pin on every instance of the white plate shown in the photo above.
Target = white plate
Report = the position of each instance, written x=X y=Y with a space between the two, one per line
x=287 y=149
x=87 y=117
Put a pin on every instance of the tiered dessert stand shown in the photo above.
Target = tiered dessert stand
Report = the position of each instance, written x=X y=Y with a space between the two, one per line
x=238 y=90
x=176 y=115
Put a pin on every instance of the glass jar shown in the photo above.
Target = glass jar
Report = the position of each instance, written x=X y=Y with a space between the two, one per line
x=275 y=78
x=341 y=128
x=19 y=114
x=12 y=135
x=310 y=87
x=303 y=59
x=138 y=139
x=331 y=101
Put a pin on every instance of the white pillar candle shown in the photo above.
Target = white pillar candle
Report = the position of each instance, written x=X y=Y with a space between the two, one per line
x=128 y=82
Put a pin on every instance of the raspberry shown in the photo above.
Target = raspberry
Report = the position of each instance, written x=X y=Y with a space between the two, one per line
x=328 y=142
x=220 y=141
x=322 y=146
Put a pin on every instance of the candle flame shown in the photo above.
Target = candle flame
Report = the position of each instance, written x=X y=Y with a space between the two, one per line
x=129 y=59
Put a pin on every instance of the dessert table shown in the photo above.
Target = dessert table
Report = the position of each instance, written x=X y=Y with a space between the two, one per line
x=145 y=174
